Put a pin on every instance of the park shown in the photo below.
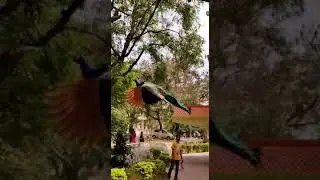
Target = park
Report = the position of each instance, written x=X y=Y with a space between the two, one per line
x=76 y=78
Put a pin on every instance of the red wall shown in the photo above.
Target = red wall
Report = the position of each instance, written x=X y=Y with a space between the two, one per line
x=280 y=156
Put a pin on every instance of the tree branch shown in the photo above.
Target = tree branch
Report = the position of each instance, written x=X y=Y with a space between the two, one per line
x=60 y=25
x=115 y=52
x=137 y=38
x=297 y=125
x=119 y=10
x=9 y=7
x=302 y=111
x=133 y=63
x=160 y=31
x=83 y=31
x=139 y=57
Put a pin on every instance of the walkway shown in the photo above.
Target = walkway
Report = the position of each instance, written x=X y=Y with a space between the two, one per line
x=196 y=167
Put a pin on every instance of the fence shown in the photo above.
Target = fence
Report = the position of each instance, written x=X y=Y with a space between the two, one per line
x=279 y=156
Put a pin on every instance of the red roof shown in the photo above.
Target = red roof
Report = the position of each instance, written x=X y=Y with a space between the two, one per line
x=196 y=111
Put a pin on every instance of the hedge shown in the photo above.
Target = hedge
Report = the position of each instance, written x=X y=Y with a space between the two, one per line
x=195 y=147
x=118 y=174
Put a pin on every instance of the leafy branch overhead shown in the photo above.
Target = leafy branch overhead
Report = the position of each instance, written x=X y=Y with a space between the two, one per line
x=155 y=31
x=32 y=11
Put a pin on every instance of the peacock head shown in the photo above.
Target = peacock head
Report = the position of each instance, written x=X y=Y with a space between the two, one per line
x=138 y=82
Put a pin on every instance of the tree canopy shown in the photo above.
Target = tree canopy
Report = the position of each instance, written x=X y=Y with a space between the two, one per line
x=38 y=41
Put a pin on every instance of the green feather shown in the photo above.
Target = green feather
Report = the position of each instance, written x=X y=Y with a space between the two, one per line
x=159 y=91
x=174 y=101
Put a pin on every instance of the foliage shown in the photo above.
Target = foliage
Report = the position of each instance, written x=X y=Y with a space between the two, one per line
x=145 y=169
x=155 y=152
x=150 y=168
x=195 y=147
x=256 y=64
x=121 y=151
x=158 y=154
x=41 y=41
x=165 y=157
x=118 y=174
x=17 y=164
x=23 y=81
x=146 y=29
x=120 y=121
x=160 y=166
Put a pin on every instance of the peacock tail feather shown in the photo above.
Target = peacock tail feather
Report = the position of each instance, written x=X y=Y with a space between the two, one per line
x=75 y=107
x=134 y=97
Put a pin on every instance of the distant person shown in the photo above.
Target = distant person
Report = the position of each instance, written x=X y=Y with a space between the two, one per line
x=176 y=157
x=141 y=137
x=133 y=135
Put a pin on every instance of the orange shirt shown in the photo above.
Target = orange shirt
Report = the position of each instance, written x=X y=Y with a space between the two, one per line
x=176 y=148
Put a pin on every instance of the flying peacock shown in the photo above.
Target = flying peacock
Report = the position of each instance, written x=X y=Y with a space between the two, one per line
x=80 y=108
x=149 y=93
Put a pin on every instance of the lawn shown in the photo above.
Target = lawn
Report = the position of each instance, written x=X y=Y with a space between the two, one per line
x=262 y=177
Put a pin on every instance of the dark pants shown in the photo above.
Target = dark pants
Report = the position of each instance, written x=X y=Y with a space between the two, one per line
x=174 y=163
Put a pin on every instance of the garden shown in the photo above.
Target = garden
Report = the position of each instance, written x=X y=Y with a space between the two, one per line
x=153 y=167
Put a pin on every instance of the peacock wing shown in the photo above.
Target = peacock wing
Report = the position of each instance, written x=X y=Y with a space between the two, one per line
x=75 y=106
x=154 y=89
x=169 y=97
x=134 y=96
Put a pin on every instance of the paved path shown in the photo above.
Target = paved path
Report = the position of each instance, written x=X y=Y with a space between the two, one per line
x=196 y=167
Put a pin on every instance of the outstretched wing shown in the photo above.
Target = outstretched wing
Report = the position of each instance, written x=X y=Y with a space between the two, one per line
x=76 y=110
x=174 y=101
x=134 y=96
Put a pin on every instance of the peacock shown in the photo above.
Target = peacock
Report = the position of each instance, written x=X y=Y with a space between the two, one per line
x=80 y=108
x=147 y=93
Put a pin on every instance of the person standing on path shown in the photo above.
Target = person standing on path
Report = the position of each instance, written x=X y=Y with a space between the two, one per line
x=132 y=135
x=176 y=157
x=141 y=137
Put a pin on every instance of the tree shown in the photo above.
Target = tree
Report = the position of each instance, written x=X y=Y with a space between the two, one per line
x=34 y=57
x=147 y=30
x=242 y=45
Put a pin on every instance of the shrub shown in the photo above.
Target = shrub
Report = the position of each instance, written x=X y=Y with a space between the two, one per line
x=118 y=174
x=195 y=147
x=204 y=147
x=121 y=152
x=144 y=169
x=160 y=166
x=165 y=158
x=155 y=153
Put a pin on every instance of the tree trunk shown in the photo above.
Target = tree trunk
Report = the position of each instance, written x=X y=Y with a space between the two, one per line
x=159 y=121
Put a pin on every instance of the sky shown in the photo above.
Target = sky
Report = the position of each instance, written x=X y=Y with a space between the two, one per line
x=204 y=33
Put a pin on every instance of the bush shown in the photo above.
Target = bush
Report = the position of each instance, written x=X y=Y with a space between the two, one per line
x=155 y=153
x=160 y=166
x=165 y=158
x=118 y=174
x=144 y=169
x=121 y=152
x=195 y=147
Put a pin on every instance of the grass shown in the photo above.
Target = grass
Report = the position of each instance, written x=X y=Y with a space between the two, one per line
x=262 y=177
